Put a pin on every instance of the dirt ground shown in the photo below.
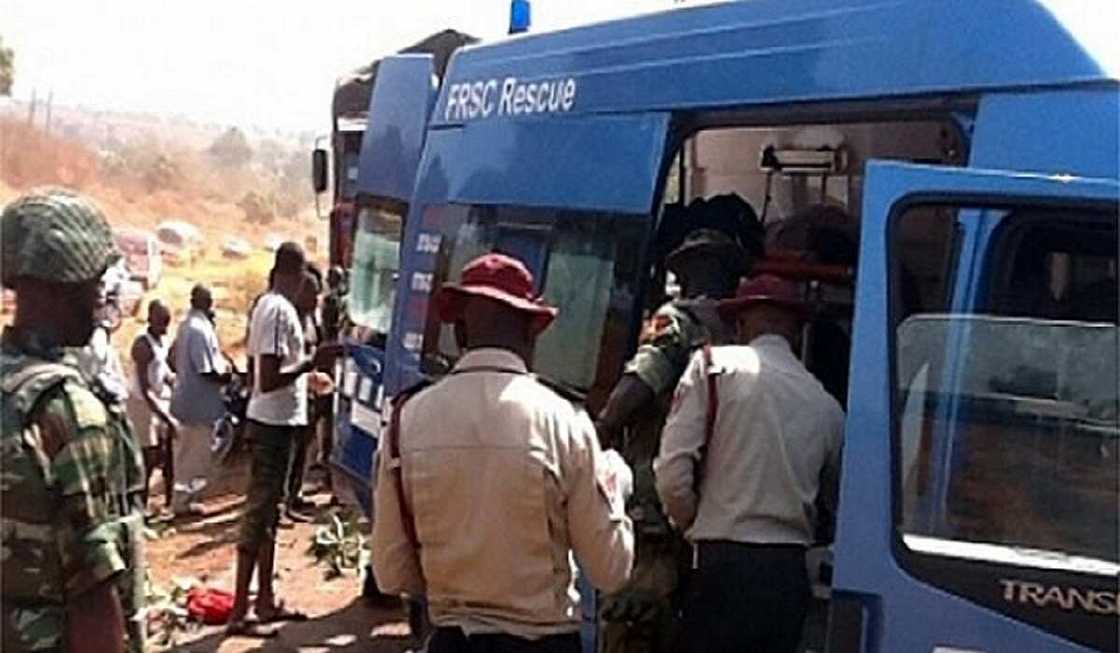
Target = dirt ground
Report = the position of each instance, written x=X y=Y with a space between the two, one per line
x=203 y=549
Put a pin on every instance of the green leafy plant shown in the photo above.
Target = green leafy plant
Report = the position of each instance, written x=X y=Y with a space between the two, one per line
x=338 y=544
x=167 y=611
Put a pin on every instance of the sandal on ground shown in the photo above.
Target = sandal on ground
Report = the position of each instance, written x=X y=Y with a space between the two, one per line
x=247 y=628
x=281 y=612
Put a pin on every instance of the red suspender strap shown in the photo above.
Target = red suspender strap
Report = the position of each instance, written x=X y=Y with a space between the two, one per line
x=713 y=397
x=408 y=520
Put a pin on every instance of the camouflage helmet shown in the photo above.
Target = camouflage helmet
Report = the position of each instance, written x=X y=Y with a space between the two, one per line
x=55 y=234
x=712 y=244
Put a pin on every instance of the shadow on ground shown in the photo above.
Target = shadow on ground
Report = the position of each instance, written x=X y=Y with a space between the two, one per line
x=353 y=628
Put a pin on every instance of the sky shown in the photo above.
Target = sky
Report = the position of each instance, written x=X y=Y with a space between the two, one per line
x=243 y=62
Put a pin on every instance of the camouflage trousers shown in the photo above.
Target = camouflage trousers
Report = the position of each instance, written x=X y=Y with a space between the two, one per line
x=644 y=617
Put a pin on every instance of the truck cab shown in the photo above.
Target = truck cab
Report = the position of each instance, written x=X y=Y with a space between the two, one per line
x=973 y=316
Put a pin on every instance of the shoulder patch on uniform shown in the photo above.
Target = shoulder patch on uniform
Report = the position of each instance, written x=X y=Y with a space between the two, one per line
x=28 y=384
x=656 y=327
x=89 y=412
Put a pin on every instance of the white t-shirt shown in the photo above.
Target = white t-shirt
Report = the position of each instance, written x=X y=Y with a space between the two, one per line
x=276 y=329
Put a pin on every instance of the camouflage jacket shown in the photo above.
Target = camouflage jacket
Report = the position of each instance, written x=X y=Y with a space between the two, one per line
x=69 y=520
x=670 y=337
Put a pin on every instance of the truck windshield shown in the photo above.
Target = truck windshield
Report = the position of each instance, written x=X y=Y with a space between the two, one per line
x=373 y=271
x=585 y=264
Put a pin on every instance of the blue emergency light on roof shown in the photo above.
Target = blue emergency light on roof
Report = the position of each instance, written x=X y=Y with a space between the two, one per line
x=520 y=16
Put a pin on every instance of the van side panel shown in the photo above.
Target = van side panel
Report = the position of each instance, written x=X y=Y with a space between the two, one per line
x=608 y=163
x=1068 y=132
x=768 y=52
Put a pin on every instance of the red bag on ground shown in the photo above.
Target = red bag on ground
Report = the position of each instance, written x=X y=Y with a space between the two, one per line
x=210 y=606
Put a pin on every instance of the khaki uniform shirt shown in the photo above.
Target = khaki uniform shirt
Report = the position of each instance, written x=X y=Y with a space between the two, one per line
x=775 y=445
x=505 y=480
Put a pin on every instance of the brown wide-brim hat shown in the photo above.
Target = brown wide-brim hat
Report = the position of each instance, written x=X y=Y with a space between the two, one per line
x=765 y=289
x=498 y=277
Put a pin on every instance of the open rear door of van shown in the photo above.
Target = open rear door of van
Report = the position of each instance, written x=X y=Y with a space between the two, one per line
x=978 y=507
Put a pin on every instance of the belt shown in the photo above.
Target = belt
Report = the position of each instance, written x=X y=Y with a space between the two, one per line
x=458 y=636
x=707 y=553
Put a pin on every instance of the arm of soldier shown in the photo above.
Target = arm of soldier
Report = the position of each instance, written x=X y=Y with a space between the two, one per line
x=396 y=562
x=653 y=370
x=94 y=620
x=682 y=442
x=601 y=534
x=74 y=427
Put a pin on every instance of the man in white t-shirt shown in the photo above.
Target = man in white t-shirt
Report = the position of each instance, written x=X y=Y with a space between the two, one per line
x=277 y=413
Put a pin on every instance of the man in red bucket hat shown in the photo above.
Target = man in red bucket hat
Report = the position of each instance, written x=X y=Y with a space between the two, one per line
x=751 y=441
x=489 y=481
x=501 y=278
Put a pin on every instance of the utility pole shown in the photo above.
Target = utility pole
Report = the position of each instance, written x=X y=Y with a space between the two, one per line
x=50 y=102
x=31 y=110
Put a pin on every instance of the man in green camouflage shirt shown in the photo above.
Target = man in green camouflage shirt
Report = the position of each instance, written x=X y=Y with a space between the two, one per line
x=71 y=567
x=643 y=616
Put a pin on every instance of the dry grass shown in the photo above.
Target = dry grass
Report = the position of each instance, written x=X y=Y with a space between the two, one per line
x=29 y=157
x=204 y=196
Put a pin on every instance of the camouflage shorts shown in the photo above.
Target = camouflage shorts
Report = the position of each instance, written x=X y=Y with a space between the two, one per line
x=272 y=452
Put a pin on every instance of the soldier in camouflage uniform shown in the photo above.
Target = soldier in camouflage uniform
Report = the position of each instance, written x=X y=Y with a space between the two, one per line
x=71 y=566
x=643 y=617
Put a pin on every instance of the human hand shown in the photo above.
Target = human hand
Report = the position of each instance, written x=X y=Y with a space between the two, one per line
x=320 y=383
x=620 y=471
x=631 y=606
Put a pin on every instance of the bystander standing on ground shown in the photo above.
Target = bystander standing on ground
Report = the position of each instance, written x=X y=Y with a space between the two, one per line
x=489 y=481
x=277 y=414
x=336 y=304
x=149 y=398
x=751 y=441
x=71 y=576
x=335 y=317
x=307 y=306
x=201 y=371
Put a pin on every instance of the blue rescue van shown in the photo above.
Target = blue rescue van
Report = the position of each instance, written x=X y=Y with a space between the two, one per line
x=971 y=150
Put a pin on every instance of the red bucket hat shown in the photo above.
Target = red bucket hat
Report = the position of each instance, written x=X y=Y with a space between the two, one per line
x=765 y=289
x=498 y=277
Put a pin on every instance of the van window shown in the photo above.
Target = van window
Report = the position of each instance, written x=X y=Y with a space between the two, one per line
x=1007 y=398
x=373 y=270
x=586 y=264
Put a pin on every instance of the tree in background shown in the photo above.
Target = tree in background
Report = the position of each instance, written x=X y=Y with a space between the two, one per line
x=258 y=207
x=231 y=149
x=7 y=68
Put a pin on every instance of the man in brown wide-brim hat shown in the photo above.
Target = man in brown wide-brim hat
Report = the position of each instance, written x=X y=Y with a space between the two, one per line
x=750 y=442
x=489 y=480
